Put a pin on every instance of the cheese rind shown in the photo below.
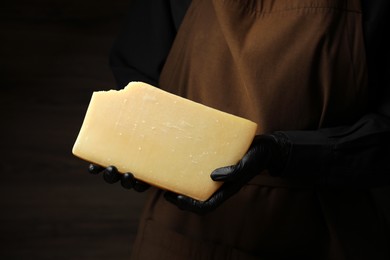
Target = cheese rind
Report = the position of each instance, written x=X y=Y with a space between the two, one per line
x=163 y=139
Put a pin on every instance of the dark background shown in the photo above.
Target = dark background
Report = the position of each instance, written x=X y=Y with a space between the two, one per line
x=54 y=54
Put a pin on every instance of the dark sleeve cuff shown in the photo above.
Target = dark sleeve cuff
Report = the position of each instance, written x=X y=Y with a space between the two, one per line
x=357 y=155
x=310 y=154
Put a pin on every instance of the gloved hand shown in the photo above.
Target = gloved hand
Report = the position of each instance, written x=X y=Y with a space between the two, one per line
x=267 y=152
x=111 y=175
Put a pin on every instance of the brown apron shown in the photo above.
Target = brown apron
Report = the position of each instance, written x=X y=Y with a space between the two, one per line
x=285 y=64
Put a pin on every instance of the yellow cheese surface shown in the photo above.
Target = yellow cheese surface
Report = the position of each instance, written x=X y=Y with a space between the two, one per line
x=163 y=139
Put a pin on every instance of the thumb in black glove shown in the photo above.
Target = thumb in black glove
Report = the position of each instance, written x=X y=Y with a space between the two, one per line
x=267 y=152
x=111 y=175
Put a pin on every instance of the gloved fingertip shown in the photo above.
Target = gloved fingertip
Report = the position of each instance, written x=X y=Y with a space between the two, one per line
x=216 y=176
x=127 y=181
x=95 y=169
x=112 y=169
x=222 y=174
x=111 y=175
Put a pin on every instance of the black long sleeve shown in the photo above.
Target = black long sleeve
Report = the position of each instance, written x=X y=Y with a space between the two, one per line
x=358 y=154
x=141 y=48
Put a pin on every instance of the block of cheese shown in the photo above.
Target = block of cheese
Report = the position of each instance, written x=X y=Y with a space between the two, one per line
x=163 y=139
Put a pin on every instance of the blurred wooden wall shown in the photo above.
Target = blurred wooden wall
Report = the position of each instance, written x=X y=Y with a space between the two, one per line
x=54 y=53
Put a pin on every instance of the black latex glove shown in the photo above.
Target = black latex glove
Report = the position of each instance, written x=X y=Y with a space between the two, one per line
x=111 y=175
x=267 y=152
